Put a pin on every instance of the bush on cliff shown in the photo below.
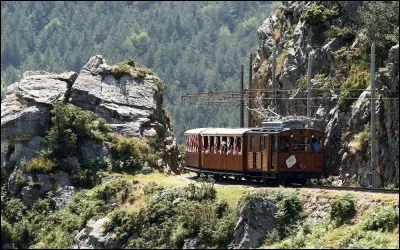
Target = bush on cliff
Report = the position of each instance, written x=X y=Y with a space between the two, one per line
x=72 y=125
x=342 y=208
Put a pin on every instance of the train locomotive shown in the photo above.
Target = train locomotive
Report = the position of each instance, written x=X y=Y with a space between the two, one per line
x=280 y=151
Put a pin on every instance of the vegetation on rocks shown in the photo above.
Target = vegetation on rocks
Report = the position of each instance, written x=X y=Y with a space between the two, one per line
x=71 y=126
x=361 y=140
x=342 y=208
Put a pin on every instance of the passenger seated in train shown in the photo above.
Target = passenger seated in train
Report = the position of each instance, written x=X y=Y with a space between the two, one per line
x=223 y=147
x=239 y=145
x=316 y=147
x=230 y=145
x=205 y=144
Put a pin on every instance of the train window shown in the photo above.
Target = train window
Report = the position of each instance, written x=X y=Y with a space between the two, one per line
x=217 y=144
x=196 y=143
x=251 y=143
x=230 y=144
x=205 y=144
x=316 y=144
x=224 y=147
x=212 y=146
x=237 y=147
x=192 y=144
x=300 y=144
x=262 y=143
x=275 y=143
x=284 y=144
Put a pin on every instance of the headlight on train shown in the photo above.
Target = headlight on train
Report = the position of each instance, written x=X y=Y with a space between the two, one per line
x=302 y=165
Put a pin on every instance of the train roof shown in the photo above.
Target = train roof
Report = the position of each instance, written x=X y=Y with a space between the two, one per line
x=195 y=130
x=225 y=131
x=240 y=131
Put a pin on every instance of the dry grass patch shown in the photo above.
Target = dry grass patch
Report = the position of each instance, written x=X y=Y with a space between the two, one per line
x=388 y=199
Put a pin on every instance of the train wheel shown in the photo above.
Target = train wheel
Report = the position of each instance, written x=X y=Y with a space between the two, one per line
x=283 y=182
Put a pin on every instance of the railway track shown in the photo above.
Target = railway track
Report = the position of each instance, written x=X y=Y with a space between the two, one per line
x=257 y=183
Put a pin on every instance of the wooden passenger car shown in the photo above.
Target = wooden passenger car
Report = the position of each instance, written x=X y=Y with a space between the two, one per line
x=283 y=150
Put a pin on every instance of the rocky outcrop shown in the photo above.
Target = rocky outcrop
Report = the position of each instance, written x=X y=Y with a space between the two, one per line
x=257 y=219
x=63 y=196
x=131 y=102
x=193 y=244
x=95 y=237
x=296 y=36
x=131 y=105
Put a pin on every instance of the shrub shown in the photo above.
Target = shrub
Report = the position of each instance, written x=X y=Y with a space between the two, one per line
x=380 y=19
x=71 y=125
x=280 y=61
x=358 y=78
x=123 y=223
x=223 y=234
x=381 y=217
x=88 y=176
x=289 y=207
x=158 y=211
x=317 y=14
x=132 y=153
x=152 y=188
x=345 y=33
x=22 y=235
x=206 y=191
x=361 y=140
x=20 y=182
x=342 y=208
x=138 y=243
x=6 y=231
x=14 y=210
x=108 y=190
x=127 y=67
x=40 y=164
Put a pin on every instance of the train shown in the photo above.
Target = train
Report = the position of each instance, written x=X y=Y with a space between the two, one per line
x=283 y=151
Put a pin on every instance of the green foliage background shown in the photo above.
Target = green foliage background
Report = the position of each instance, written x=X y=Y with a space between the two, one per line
x=191 y=46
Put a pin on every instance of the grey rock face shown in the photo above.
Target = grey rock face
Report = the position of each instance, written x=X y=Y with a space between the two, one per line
x=119 y=101
x=255 y=222
x=45 y=184
x=193 y=244
x=296 y=40
x=95 y=237
x=132 y=106
x=23 y=124
x=93 y=150
x=60 y=178
x=63 y=196
x=29 y=195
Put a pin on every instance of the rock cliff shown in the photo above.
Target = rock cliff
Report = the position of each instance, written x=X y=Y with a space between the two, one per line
x=128 y=98
x=340 y=67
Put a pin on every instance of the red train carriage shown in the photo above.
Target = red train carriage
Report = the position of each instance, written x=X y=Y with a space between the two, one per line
x=279 y=150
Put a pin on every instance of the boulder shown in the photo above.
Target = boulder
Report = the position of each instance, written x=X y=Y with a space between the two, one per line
x=29 y=195
x=193 y=244
x=60 y=178
x=63 y=196
x=45 y=184
x=257 y=219
x=93 y=236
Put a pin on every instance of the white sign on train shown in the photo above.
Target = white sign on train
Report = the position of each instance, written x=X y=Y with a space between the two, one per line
x=291 y=161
